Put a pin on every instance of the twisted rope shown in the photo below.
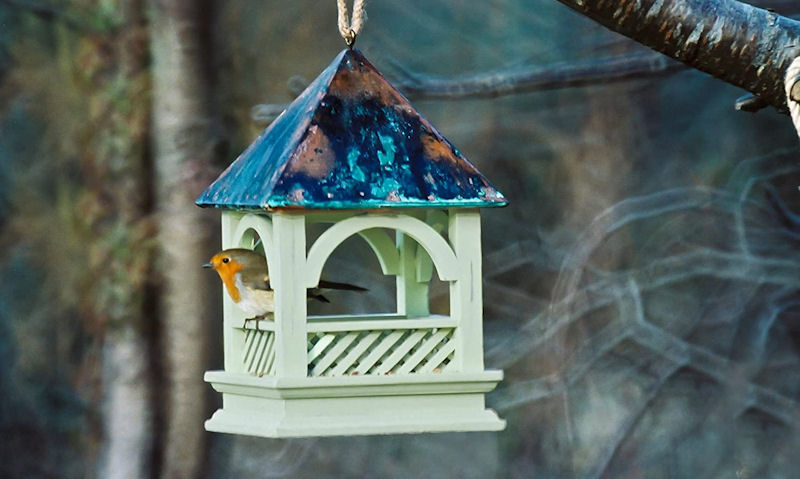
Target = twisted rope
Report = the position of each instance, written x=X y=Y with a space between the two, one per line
x=792 y=85
x=349 y=28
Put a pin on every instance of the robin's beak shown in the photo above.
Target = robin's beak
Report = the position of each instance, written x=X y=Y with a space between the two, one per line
x=208 y=265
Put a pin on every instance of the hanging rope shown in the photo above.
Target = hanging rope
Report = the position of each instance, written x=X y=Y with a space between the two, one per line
x=349 y=28
x=792 y=85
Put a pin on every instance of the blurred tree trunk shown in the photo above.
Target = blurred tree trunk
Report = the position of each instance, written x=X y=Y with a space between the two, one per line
x=78 y=220
x=183 y=151
x=116 y=205
x=741 y=44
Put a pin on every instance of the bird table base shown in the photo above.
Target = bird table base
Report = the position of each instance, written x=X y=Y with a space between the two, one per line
x=354 y=405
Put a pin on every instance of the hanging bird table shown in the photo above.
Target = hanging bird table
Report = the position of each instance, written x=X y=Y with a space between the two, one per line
x=351 y=153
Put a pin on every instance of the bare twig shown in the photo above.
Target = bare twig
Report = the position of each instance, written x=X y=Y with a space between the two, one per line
x=519 y=80
x=531 y=78
x=718 y=368
x=631 y=324
x=664 y=372
x=525 y=391
x=674 y=269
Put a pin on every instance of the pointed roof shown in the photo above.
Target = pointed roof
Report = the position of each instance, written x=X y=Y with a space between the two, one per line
x=350 y=141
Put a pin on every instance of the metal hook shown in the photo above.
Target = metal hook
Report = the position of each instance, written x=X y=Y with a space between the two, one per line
x=350 y=39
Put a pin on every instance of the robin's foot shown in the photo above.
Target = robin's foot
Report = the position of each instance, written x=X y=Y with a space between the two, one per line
x=256 y=319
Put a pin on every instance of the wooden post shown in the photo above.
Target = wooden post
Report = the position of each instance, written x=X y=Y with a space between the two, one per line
x=466 y=294
x=232 y=316
x=412 y=295
x=290 y=294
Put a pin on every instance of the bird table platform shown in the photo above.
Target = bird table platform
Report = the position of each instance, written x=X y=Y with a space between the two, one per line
x=351 y=154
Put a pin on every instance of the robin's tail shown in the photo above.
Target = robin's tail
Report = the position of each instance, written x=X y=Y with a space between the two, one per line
x=343 y=286
x=318 y=297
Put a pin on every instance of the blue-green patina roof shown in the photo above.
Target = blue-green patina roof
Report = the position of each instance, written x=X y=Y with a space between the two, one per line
x=350 y=141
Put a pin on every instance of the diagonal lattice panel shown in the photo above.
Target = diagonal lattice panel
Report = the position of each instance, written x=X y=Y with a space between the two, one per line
x=424 y=350
x=258 y=354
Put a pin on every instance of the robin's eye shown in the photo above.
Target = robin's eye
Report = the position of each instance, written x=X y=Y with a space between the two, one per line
x=225 y=260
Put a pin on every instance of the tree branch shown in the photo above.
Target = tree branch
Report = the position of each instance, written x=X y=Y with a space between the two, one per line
x=521 y=80
x=738 y=43
x=536 y=78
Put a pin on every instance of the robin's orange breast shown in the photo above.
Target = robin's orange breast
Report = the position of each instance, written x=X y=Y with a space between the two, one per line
x=229 y=280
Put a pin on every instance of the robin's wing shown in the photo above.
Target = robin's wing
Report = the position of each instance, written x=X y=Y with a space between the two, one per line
x=256 y=279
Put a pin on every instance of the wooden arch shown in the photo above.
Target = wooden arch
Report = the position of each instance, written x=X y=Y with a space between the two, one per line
x=262 y=226
x=443 y=257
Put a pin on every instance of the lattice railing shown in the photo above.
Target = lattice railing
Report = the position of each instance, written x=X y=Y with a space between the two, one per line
x=258 y=354
x=384 y=346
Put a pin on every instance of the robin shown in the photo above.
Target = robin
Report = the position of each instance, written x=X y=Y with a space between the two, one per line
x=244 y=274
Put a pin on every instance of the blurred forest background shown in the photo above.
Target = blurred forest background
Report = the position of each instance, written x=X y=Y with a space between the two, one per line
x=641 y=290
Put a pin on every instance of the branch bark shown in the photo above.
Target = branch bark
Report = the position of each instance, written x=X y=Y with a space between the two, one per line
x=743 y=45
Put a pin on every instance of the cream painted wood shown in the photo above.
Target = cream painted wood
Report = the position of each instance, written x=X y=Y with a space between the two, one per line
x=356 y=324
x=442 y=255
x=378 y=351
x=466 y=295
x=380 y=242
x=319 y=387
x=259 y=352
x=253 y=342
x=313 y=217
x=423 y=351
x=406 y=351
x=290 y=293
x=384 y=248
x=260 y=325
x=263 y=227
x=438 y=358
x=333 y=353
x=358 y=317
x=320 y=346
x=423 y=265
x=355 y=352
x=404 y=372
x=437 y=220
x=404 y=347
x=353 y=405
x=412 y=295
x=233 y=317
